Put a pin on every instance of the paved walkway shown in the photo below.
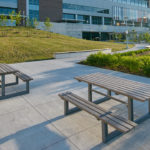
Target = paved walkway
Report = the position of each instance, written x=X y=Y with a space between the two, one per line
x=36 y=122
x=135 y=48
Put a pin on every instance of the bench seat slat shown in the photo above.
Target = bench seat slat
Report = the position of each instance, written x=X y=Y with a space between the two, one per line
x=104 y=113
x=101 y=110
x=99 y=113
x=23 y=76
x=121 y=118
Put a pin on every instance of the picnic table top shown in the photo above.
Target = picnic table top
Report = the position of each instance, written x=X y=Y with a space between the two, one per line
x=132 y=89
x=6 y=69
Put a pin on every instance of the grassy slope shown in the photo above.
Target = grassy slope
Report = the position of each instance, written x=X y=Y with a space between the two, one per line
x=17 y=47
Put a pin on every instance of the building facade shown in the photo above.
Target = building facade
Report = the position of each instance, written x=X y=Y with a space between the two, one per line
x=88 y=19
x=39 y=9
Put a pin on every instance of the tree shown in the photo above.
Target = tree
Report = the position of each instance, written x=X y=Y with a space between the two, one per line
x=18 y=18
x=35 y=23
x=3 y=22
x=140 y=37
x=48 y=25
x=29 y=26
x=120 y=37
x=147 y=37
x=12 y=16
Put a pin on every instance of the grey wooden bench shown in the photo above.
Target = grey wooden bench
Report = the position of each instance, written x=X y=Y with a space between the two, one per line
x=24 y=78
x=108 y=118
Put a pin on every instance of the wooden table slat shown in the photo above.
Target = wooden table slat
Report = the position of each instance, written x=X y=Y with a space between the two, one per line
x=116 y=89
x=119 y=85
x=123 y=86
x=6 y=69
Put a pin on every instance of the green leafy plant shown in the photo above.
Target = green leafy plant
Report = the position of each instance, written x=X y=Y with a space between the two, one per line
x=29 y=26
x=130 y=62
x=18 y=18
x=48 y=25
x=3 y=22
x=12 y=16
x=35 y=23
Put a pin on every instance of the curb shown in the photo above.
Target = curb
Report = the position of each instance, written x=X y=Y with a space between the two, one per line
x=84 y=53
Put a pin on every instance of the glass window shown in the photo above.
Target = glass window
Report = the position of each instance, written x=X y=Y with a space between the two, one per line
x=69 y=16
x=140 y=3
x=84 y=19
x=34 y=2
x=34 y=14
x=34 y=9
x=8 y=3
x=7 y=11
x=108 y=21
x=96 y=20
x=85 y=8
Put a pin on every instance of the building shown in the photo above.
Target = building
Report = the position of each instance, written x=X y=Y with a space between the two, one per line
x=39 y=9
x=92 y=19
x=88 y=19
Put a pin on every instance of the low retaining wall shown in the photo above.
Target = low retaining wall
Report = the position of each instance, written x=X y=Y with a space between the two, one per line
x=85 y=53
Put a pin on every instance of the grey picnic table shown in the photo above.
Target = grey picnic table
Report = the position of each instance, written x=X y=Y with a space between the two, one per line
x=6 y=70
x=133 y=90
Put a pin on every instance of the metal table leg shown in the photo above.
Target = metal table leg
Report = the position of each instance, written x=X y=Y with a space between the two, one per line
x=90 y=92
x=109 y=93
x=104 y=132
x=149 y=107
x=3 y=85
x=130 y=109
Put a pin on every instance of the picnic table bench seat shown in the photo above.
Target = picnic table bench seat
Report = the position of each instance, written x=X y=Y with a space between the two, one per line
x=108 y=118
x=23 y=76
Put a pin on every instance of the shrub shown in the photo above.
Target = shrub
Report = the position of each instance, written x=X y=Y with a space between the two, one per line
x=130 y=64
x=102 y=60
x=146 y=65
x=127 y=62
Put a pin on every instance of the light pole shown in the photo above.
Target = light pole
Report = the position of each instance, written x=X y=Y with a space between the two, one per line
x=127 y=39
x=142 y=21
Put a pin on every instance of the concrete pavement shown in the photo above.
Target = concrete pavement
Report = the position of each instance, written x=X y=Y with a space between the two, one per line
x=36 y=121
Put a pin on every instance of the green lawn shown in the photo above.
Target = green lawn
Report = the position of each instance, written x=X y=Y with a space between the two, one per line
x=23 y=44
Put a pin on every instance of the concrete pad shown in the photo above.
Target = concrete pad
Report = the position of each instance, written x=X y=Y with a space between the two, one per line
x=87 y=139
x=51 y=110
x=19 y=120
x=11 y=105
x=73 y=124
x=36 y=122
x=62 y=145
x=36 y=137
